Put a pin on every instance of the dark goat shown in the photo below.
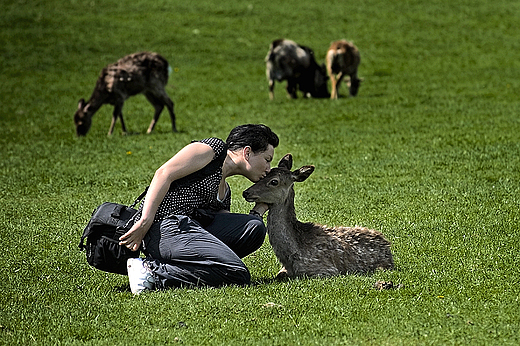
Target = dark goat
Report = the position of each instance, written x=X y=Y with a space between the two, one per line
x=139 y=73
x=286 y=60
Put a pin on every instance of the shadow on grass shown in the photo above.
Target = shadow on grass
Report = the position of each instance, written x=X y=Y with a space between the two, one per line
x=126 y=287
x=122 y=288
x=371 y=276
x=377 y=284
x=267 y=281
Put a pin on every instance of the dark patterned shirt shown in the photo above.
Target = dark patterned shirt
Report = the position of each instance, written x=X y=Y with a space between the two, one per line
x=199 y=189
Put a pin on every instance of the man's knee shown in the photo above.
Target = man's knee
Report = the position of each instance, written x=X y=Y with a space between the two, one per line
x=257 y=227
x=240 y=277
x=253 y=237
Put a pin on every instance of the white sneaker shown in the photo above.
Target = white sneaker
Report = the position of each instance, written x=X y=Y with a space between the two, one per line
x=139 y=275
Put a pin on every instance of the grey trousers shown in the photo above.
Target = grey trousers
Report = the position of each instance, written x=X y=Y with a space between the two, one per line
x=180 y=253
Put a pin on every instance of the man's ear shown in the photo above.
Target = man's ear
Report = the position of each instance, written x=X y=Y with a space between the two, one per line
x=247 y=152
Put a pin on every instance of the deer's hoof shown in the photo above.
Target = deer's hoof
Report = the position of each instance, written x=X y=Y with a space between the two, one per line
x=282 y=275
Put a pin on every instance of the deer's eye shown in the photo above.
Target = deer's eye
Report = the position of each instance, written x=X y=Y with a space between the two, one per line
x=273 y=182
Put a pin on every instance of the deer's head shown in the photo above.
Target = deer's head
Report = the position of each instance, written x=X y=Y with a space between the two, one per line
x=82 y=118
x=275 y=186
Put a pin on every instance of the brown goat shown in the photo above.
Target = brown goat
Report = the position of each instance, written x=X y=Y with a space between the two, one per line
x=309 y=249
x=139 y=73
x=343 y=59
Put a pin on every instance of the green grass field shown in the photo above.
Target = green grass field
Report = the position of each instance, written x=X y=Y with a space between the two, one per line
x=428 y=153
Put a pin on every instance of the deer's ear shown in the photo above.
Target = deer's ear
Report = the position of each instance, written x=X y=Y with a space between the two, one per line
x=302 y=173
x=81 y=104
x=286 y=162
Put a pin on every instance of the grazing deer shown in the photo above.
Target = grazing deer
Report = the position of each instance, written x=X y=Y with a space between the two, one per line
x=343 y=59
x=139 y=73
x=309 y=249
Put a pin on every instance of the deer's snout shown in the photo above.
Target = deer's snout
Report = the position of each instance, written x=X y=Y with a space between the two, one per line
x=248 y=196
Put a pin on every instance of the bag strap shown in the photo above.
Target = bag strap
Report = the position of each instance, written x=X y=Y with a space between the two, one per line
x=138 y=199
x=122 y=230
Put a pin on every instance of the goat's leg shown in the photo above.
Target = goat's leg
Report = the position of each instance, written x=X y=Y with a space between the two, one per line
x=333 y=83
x=329 y=60
x=271 y=89
x=338 y=79
x=291 y=88
x=354 y=84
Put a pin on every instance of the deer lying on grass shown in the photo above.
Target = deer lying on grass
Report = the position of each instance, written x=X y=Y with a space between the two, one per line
x=309 y=249
x=343 y=59
x=139 y=73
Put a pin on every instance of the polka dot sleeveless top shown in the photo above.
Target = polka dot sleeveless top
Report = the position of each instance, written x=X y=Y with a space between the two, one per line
x=199 y=189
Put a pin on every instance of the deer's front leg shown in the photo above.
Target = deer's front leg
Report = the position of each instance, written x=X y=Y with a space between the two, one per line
x=282 y=274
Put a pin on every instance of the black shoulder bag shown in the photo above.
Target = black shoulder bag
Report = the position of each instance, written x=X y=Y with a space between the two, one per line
x=109 y=221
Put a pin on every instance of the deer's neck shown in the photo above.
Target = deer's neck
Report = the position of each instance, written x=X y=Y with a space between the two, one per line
x=97 y=99
x=283 y=228
x=283 y=213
